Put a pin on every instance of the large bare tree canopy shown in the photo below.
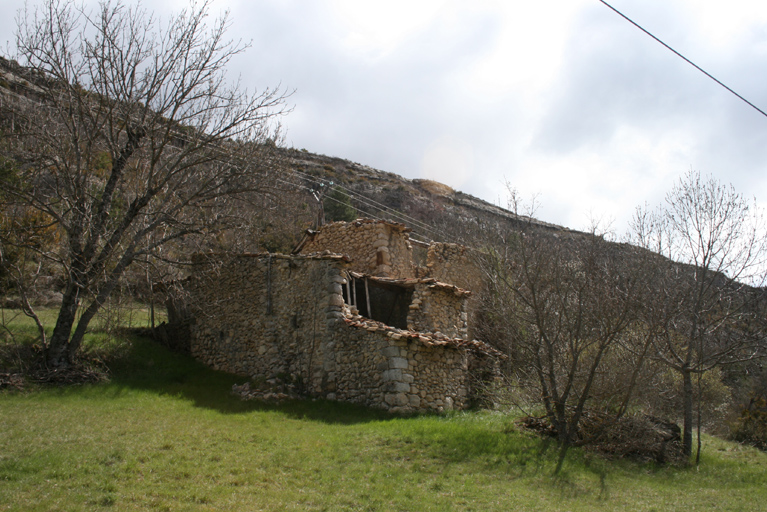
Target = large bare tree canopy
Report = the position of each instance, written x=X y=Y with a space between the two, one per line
x=590 y=325
x=132 y=136
x=566 y=305
x=710 y=243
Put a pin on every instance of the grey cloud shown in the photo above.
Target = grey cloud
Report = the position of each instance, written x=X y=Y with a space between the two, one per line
x=386 y=112
x=380 y=112
x=613 y=77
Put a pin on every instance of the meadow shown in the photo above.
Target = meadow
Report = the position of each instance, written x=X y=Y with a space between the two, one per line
x=166 y=433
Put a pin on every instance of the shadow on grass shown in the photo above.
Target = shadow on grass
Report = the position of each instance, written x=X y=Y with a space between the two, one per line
x=489 y=441
x=517 y=454
x=148 y=366
x=482 y=440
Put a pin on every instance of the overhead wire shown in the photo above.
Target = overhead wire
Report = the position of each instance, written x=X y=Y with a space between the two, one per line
x=371 y=203
x=375 y=204
x=368 y=214
x=683 y=58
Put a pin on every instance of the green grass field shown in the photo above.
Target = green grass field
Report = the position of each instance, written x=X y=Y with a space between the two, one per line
x=167 y=434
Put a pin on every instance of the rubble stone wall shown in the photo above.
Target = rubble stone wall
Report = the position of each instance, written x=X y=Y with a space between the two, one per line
x=438 y=309
x=457 y=265
x=380 y=368
x=252 y=319
x=375 y=247
x=454 y=264
x=265 y=316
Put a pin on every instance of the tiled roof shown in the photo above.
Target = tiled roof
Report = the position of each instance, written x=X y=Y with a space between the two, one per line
x=430 y=339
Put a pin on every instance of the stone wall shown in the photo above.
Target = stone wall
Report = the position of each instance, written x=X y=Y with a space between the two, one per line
x=437 y=307
x=374 y=247
x=457 y=265
x=382 y=367
x=454 y=264
x=269 y=315
x=251 y=317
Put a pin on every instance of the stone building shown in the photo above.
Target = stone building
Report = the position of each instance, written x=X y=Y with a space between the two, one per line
x=350 y=316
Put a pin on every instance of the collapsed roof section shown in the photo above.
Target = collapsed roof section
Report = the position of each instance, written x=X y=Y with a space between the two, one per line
x=305 y=316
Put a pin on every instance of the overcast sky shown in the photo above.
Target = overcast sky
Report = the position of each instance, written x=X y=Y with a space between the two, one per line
x=563 y=99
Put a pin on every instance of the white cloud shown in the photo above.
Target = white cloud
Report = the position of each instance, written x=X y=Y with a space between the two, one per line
x=723 y=26
x=528 y=49
x=373 y=30
x=448 y=160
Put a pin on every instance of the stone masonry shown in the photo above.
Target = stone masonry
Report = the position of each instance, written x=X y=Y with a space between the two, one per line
x=455 y=264
x=374 y=247
x=300 y=317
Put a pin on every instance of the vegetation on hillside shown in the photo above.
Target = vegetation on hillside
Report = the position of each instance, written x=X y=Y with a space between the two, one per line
x=133 y=142
x=125 y=151
x=600 y=329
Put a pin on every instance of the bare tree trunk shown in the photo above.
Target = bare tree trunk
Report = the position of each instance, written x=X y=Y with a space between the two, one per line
x=688 y=412
x=98 y=301
x=59 y=354
x=713 y=239
x=700 y=397
x=153 y=106
x=151 y=298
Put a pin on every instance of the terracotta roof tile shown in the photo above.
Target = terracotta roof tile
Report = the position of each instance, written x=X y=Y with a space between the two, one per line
x=426 y=338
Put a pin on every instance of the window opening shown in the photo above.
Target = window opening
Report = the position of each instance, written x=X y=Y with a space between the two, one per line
x=384 y=302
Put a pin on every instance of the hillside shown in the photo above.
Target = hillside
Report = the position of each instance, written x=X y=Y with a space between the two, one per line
x=432 y=209
x=375 y=193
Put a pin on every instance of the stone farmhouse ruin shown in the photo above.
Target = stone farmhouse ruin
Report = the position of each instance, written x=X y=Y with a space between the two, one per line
x=350 y=315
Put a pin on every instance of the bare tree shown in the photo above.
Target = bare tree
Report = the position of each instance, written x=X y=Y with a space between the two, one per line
x=24 y=233
x=130 y=138
x=709 y=252
x=569 y=303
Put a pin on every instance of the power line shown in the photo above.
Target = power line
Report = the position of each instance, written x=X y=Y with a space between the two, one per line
x=684 y=58
x=371 y=203
x=233 y=158
x=367 y=214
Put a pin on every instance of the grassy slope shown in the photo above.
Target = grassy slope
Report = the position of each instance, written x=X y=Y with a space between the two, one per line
x=166 y=434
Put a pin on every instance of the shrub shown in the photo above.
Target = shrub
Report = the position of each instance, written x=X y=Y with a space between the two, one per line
x=751 y=426
x=338 y=206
